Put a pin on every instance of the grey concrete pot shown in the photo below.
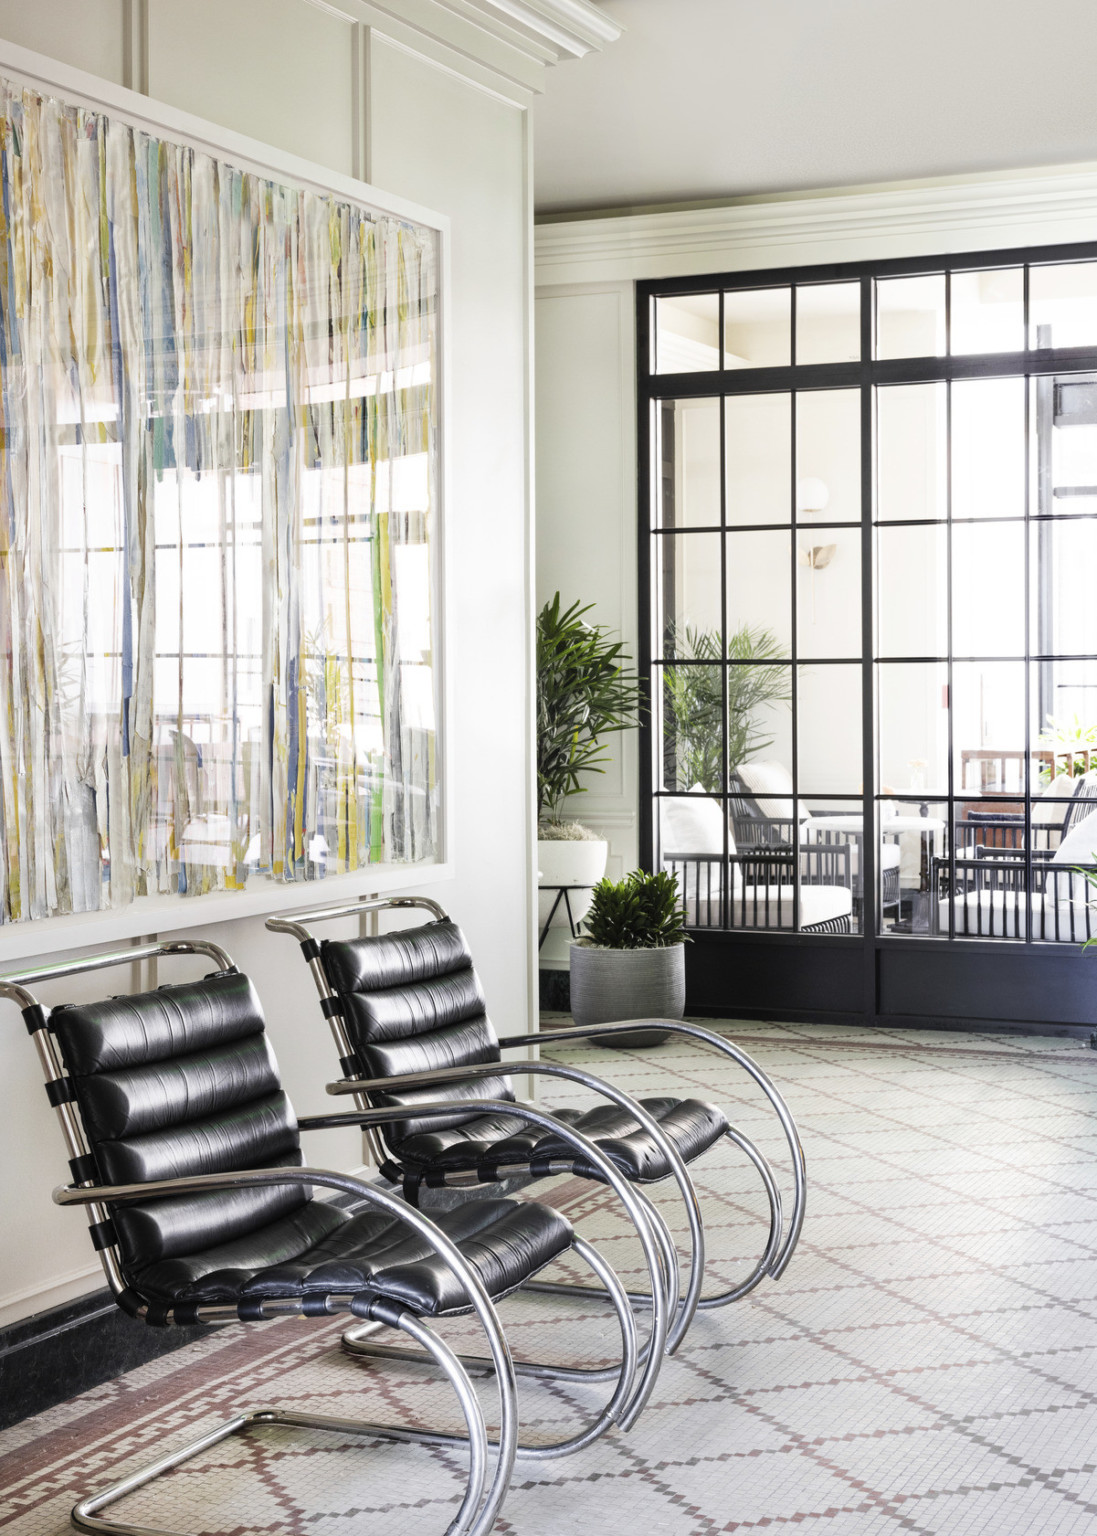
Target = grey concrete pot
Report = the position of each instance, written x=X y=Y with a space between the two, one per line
x=612 y=984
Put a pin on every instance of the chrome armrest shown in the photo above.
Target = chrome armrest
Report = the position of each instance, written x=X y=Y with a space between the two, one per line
x=726 y=1048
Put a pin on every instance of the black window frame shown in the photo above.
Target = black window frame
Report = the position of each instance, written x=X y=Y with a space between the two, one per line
x=867 y=373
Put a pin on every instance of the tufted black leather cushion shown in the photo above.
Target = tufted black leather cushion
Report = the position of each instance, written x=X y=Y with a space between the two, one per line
x=411 y=1003
x=174 y=1082
x=492 y=1141
x=321 y=1250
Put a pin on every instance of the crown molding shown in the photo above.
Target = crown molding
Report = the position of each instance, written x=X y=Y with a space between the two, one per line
x=569 y=28
x=1045 y=206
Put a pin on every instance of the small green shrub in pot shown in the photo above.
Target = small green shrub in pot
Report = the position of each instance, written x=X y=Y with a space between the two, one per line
x=630 y=963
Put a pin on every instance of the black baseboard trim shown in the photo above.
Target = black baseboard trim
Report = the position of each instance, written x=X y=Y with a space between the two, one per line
x=554 y=990
x=54 y=1355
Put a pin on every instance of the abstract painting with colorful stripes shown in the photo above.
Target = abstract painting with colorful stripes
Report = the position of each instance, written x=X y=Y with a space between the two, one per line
x=218 y=488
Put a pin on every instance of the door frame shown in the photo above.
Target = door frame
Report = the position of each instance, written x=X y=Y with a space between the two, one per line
x=871 y=978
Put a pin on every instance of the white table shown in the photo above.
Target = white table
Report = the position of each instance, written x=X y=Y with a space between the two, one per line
x=909 y=831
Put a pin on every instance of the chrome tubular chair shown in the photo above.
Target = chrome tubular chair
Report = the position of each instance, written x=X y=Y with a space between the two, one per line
x=409 y=1021
x=185 y=1152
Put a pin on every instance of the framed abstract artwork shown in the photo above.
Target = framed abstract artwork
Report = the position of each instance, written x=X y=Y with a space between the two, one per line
x=220 y=505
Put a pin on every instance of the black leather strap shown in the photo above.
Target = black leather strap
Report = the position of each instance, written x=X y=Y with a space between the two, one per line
x=83 y=1169
x=103 y=1234
x=310 y=948
x=60 y=1091
x=378 y=1308
x=331 y=1006
x=349 y=1066
x=35 y=1018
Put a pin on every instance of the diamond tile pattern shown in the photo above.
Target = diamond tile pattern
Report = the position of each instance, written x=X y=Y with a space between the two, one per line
x=928 y=1364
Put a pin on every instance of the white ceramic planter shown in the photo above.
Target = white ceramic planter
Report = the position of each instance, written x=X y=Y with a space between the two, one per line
x=608 y=985
x=561 y=862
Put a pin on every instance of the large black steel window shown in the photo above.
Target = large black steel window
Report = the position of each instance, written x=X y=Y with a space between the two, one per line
x=869 y=558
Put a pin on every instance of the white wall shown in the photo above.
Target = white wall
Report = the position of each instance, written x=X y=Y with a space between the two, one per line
x=586 y=494
x=299 y=77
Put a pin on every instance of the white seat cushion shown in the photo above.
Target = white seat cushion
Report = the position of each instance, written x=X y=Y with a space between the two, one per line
x=765 y=777
x=1001 y=915
x=768 y=906
x=693 y=824
x=1047 y=814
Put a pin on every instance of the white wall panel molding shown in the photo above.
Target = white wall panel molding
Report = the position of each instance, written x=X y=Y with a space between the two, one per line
x=1036 y=207
x=135 y=45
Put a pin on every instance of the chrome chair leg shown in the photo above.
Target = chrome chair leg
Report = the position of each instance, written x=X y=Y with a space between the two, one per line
x=85 y=1515
x=360 y=1341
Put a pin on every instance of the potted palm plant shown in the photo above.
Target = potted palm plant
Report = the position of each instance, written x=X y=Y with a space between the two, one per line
x=630 y=963
x=585 y=692
x=694 y=698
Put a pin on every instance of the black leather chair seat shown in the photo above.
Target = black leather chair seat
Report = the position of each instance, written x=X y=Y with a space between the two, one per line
x=491 y=1141
x=320 y=1249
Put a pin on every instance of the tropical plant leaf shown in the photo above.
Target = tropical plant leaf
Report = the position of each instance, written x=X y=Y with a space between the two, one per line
x=694 y=699
x=585 y=691
x=641 y=911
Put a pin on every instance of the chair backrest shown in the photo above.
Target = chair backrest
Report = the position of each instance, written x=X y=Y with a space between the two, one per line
x=181 y=1081
x=411 y=1001
x=1081 y=803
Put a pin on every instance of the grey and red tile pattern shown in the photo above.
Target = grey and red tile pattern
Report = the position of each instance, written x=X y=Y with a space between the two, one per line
x=927 y=1365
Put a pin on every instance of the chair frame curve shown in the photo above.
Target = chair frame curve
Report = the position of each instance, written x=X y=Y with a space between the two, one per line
x=482 y=1499
x=776 y=1254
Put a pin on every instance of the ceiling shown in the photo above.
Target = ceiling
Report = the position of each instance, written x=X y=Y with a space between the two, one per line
x=707 y=99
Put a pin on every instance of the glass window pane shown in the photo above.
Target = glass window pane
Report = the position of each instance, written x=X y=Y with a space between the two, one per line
x=759 y=458
x=759 y=593
x=988 y=311
x=692 y=702
x=988 y=728
x=913 y=842
x=911 y=452
x=828 y=592
x=988 y=448
x=828 y=712
x=912 y=700
x=988 y=589
x=1063 y=700
x=828 y=323
x=688 y=457
x=1063 y=450
x=1062 y=305
x=910 y=316
x=1063 y=581
x=687 y=333
x=912 y=590
x=828 y=454
x=688 y=580
x=758 y=328
x=760 y=725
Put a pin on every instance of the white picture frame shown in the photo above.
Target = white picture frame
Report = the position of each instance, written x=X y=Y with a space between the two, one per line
x=165 y=914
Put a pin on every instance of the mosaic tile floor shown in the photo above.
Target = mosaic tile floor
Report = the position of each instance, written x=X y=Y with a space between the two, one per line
x=928 y=1364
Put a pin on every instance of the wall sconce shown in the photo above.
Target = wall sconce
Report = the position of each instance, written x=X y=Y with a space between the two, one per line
x=811 y=495
x=816 y=559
